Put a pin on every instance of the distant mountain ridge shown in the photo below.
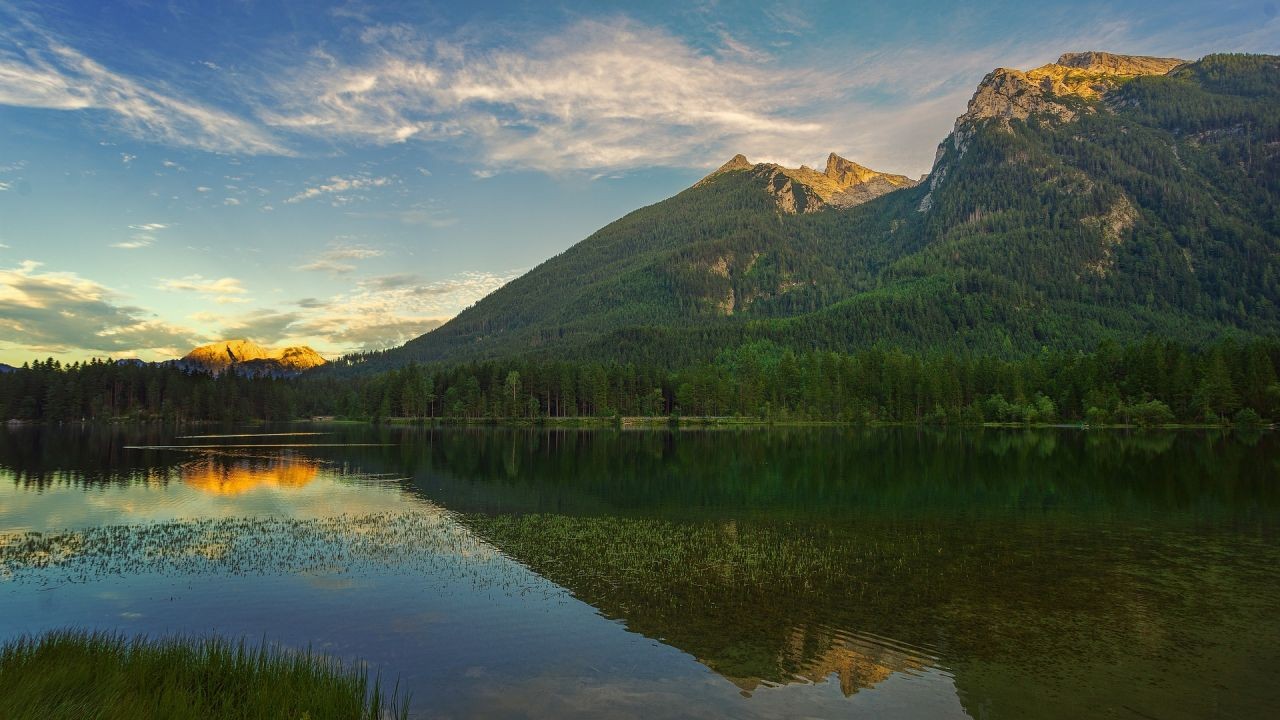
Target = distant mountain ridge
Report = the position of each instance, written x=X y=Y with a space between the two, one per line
x=251 y=358
x=1100 y=197
x=842 y=184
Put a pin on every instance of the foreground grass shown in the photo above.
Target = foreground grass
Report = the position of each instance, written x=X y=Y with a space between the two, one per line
x=103 y=676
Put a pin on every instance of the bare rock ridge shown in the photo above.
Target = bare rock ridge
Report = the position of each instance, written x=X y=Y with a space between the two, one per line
x=1058 y=91
x=843 y=183
x=1007 y=94
x=217 y=357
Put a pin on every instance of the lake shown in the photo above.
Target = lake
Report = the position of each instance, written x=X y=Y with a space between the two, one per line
x=888 y=573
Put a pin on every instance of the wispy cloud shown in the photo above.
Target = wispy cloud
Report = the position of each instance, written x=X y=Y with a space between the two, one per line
x=57 y=312
x=390 y=310
x=40 y=71
x=337 y=260
x=338 y=186
x=265 y=326
x=379 y=312
x=221 y=290
x=136 y=242
x=599 y=95
x=143 y=236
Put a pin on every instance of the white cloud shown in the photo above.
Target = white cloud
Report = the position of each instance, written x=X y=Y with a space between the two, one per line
x=222 y=290
x=57 y=312
x=337 y=259
x=5 y=186
x=390 y=310
x=142 y=237
x=231 y=201
x=127 y=159
x=203 y=189
x=134 y=243
x=598 y=96
x=380 y=312
x=339 y=184
x=37 y=70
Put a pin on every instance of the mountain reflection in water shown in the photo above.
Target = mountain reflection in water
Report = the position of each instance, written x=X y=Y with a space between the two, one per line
x=230 y=475
x=887 y=572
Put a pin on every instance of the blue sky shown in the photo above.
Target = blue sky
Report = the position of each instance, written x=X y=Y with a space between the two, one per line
x=349 y=175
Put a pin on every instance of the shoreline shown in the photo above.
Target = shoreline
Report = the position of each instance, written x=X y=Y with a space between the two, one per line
x=638 y=423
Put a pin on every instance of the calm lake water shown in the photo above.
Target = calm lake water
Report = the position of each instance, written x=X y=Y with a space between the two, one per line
x=763 y=573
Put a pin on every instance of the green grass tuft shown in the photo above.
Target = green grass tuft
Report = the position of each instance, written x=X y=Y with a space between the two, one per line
x=105 y=676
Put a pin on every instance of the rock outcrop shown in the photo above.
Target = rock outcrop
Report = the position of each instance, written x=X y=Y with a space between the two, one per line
x=251 y=358
x=842 y=184
x=1006 y=94
x=1057 y=92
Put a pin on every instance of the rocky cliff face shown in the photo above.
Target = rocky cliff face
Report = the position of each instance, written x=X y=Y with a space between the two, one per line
x=843 y=183
x=252 y=357
x=1006 y=94
x=1058 y=92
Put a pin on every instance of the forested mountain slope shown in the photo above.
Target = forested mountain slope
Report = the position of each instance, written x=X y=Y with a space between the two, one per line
x=1102 y=196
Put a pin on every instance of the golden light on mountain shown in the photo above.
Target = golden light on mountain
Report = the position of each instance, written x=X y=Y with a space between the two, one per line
x=842 y=184
x=240 y=477
x=246 y=353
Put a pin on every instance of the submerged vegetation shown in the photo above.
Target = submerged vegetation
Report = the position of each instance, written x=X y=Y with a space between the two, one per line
x=66 y=675
x=417 y=541
x=1006 y=604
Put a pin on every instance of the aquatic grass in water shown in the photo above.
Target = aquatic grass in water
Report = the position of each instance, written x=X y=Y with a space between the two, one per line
x=765 y=602
x=80 y=675
x=427 y=544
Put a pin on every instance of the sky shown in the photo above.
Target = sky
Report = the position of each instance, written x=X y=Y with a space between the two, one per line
x=350 y=175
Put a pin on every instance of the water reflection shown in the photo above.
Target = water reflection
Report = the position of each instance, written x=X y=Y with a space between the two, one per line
x=855 y=661
x=233 y=475
x=1006 y=574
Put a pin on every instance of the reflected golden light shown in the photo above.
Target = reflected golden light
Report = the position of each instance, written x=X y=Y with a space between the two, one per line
x=241 y=476
x=856 y=662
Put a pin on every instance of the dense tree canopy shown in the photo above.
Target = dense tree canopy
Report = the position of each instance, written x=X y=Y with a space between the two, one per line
x=1154 y=382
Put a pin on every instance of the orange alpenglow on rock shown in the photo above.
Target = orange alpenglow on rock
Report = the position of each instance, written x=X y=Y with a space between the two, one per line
x=843 y=184
x=218 y=356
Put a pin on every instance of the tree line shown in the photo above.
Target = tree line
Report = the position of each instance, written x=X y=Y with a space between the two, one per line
x=1149 y=383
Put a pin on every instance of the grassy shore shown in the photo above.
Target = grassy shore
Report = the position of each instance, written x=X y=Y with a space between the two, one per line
x=102 y=676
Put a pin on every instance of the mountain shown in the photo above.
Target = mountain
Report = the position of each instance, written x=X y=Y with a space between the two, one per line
x=1099 y=197
x=249 y=358
x=5 y=368
x=843 y=184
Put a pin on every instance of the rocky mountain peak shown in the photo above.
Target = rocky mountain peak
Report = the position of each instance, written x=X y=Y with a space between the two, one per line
x=1050 y=92
x=218 y=356
x=843 y=183
x=1112 y=64
x=738 y=162
x=846 y=172
x=1008 y=94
